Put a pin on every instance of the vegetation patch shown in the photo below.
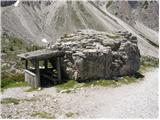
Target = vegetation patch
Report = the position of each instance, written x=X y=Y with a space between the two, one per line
x=9 y=101
x=109 y=3
x=12 y=80
x=69 y=84
x=70 y=114
x=43 y=115
x=148 y=62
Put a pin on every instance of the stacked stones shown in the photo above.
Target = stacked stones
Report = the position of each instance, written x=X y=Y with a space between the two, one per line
x=91 y=54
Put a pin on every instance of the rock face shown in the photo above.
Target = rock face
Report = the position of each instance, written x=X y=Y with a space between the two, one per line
x=91 y=54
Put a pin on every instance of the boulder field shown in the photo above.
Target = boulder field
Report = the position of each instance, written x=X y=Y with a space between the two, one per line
x=91 y=54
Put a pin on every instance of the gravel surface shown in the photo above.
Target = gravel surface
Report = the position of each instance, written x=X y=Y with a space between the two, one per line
x=136 y=100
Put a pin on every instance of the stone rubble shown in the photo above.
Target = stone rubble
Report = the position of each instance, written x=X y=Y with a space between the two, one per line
x=91 y=54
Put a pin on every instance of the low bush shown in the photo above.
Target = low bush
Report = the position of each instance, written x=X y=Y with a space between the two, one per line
x=9 y=101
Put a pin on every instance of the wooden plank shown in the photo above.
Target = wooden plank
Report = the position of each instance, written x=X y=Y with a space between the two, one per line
x=30 y=77
x=37 y=71
x=59 y=68
x=46 y=64
x=30 y=73
x=41 y=54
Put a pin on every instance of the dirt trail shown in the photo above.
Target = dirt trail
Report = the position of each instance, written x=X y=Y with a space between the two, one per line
x=136 y=100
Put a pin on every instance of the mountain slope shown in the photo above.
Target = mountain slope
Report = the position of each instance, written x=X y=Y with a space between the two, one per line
x=146 y=12
x=35 y=21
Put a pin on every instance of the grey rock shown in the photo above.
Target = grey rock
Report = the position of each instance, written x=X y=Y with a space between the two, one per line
x=104 y=58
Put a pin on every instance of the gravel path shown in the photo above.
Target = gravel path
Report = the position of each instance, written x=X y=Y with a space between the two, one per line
x=136 y=100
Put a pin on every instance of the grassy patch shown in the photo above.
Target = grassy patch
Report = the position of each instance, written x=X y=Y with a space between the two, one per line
x=12 y=80
x=69 y=84
x=43 y=115
x=109 y=3
x=128 y=80
x=70 y=114
x=9 y=101
x=148 y=62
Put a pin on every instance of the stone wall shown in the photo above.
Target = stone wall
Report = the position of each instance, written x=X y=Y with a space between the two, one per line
x=92 y=54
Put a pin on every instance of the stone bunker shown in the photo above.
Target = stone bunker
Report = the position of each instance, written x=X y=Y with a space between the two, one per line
x=88 y=55
x=91 y=54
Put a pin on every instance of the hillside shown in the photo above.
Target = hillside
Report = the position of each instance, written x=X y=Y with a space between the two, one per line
x=34 y=21
x=144 y=12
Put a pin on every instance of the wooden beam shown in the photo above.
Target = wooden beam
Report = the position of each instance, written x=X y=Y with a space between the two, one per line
x=41 y=54
x=26 y=64
x=46 y=64
x=59 y=68
x=37 y=71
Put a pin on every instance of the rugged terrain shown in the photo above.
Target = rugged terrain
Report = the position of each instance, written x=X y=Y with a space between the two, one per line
x=36 y=21
x=43 y=23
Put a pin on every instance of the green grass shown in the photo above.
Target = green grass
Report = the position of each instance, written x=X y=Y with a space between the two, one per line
x=148 y=62
x=43 y=115
x=9 y=101
x=69 y=84
x=70 y=114
x=109 y=3
x=12 y=80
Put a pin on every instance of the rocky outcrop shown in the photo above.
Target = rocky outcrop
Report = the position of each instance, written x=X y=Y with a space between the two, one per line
x=91 y=54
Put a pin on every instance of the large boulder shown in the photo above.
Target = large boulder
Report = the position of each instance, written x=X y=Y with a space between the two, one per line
x=91 y=54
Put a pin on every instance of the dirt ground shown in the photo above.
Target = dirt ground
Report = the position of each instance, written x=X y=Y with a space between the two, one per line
x=136 y=100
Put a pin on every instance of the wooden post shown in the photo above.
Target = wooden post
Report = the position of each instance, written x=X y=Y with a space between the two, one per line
x=46 y=64
x=26 y=64
x=59 y=68
x=37 y=83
